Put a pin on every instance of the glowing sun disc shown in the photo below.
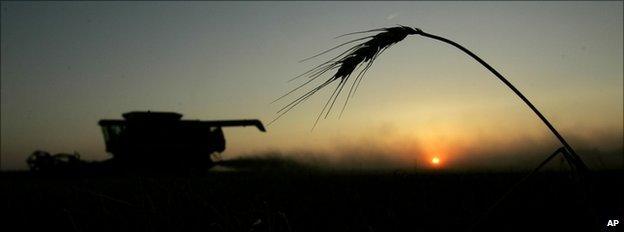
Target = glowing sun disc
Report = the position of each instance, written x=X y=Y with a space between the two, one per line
x=435 y=161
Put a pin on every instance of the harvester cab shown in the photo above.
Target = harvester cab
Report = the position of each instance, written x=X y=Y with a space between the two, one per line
x=163 y=140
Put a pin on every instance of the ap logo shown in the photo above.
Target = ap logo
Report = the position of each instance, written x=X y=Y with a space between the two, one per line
x=613 y=222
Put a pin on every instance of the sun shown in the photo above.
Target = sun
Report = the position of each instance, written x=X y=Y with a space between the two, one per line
x=435 y=161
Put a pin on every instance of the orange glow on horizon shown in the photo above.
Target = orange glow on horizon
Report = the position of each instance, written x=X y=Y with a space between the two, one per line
x=435 y=161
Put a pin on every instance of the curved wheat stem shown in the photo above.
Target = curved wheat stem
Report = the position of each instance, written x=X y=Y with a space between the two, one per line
x=575 y=159
x=364 y=54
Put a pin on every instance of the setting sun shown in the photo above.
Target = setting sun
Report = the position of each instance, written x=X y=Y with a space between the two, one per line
x=435 y=161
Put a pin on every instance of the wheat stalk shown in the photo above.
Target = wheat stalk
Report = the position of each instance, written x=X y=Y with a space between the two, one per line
x=361 y=55
x=364 y=54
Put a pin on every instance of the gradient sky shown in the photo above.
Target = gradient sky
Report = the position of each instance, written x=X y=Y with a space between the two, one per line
x=65 y=65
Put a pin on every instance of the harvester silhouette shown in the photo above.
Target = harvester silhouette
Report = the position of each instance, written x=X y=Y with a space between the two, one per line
x=147 y=140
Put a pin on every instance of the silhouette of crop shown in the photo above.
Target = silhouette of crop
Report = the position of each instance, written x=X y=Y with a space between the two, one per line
x=346 y=63
x=364 y=54
x=298 y=201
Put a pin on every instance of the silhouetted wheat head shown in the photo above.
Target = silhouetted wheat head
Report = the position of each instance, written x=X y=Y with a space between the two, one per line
x=359 y=57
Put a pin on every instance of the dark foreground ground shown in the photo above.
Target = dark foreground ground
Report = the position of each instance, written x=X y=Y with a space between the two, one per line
x=310 y=201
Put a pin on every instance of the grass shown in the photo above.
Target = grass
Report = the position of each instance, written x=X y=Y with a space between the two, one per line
x=302 y=201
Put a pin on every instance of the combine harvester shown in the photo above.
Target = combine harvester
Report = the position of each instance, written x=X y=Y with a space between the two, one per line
x=152 y=141
x=161 y=140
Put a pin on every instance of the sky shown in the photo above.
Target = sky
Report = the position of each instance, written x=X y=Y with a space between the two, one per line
x=66 y=65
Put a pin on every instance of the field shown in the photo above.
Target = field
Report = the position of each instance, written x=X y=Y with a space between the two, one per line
x=310 y=201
